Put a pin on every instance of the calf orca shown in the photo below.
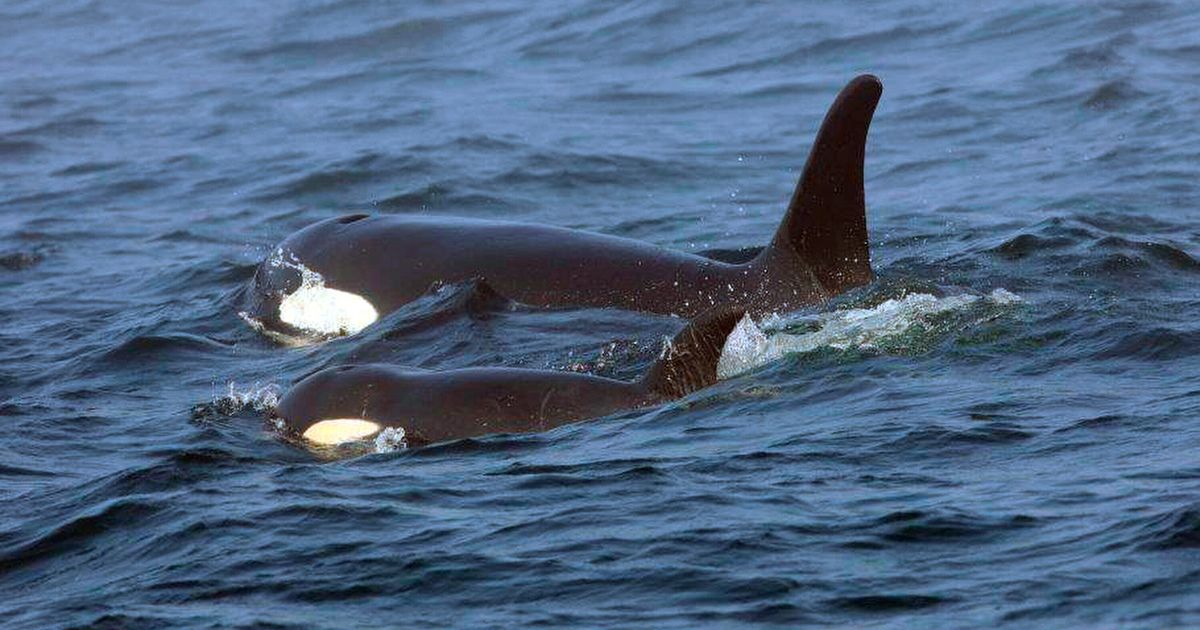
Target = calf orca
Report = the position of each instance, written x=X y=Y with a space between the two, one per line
x=354 y=402
x=339 y=275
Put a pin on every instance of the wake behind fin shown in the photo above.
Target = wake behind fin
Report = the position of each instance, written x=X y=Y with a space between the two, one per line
x=826 y=222
x=474 y=299
x=689 y=362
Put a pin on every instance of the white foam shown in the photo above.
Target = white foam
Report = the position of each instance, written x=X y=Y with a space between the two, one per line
x=256 y=397
x=750 y=346
x=390 y=439
x=1004 y=297
x=316 y=308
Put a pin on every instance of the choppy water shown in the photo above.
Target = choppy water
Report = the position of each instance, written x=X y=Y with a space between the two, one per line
x=1034 y=465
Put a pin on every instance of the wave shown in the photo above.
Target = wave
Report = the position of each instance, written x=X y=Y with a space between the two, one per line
x=87 y=168
x=335 y=178
x=21 y=260
x=805 y=51
x=18 y=149
x=897 y=325
x=161 y=347
x=402 y=35
x=83 y=532
x=442 y=196
x=1176 y=529
x=258 y=398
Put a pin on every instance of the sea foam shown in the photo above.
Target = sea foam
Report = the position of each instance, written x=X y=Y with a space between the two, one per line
x=751 y=345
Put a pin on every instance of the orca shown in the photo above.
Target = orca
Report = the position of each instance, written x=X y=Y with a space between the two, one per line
x=356 y=402
x=339 y=275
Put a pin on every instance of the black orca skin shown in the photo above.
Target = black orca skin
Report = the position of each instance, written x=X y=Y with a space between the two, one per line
x=431 y=407
x=820 y=249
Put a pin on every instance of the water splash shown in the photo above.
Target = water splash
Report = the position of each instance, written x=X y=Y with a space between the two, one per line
x=390 y=439
x=257 y=398
x=751 y=346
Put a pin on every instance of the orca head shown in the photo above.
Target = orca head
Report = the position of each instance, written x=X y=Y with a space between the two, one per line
x=291 y=300
x=337 y=405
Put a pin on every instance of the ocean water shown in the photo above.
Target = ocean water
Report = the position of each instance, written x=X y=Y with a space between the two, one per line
x=919 y=453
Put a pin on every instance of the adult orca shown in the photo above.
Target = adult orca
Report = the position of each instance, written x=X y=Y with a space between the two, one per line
x=339 y=275
x=354 y=402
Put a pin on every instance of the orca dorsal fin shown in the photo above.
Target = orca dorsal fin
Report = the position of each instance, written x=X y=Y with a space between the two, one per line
x=689 y=361
x=826 y=221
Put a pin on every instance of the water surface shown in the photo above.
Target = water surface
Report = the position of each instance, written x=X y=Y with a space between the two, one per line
x=1028 y=466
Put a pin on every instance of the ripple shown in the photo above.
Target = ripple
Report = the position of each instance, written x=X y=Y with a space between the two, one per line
x=162 y=346
x=857 y=42
x=932 y=439
x=69 y=127
x=572 y=170
x=945 y=527
x=1099 y=423
x=886 y=603
x=1155 y=344
x=335 y=178
x=82 y=533
x=1034 y=464
x=1025 y=245
x=21 y=260
x=177 y=470
x=1178 y=529
x=1113 y=95
x=404 y=35
x=87 y=168
x=17 y=471
x=18 y=149
x=434 y=197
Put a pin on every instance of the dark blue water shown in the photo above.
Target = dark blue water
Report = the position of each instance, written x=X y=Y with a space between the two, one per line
x=1035 y=468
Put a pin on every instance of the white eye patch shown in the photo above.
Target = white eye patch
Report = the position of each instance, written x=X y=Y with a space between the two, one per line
x=340 y=431
x=316 y=308
x=326 y=311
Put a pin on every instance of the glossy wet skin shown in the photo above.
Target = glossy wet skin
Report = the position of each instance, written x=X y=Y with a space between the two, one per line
x=392 y=260
x=819 y=250
x=353 y=402
x=439 y=406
